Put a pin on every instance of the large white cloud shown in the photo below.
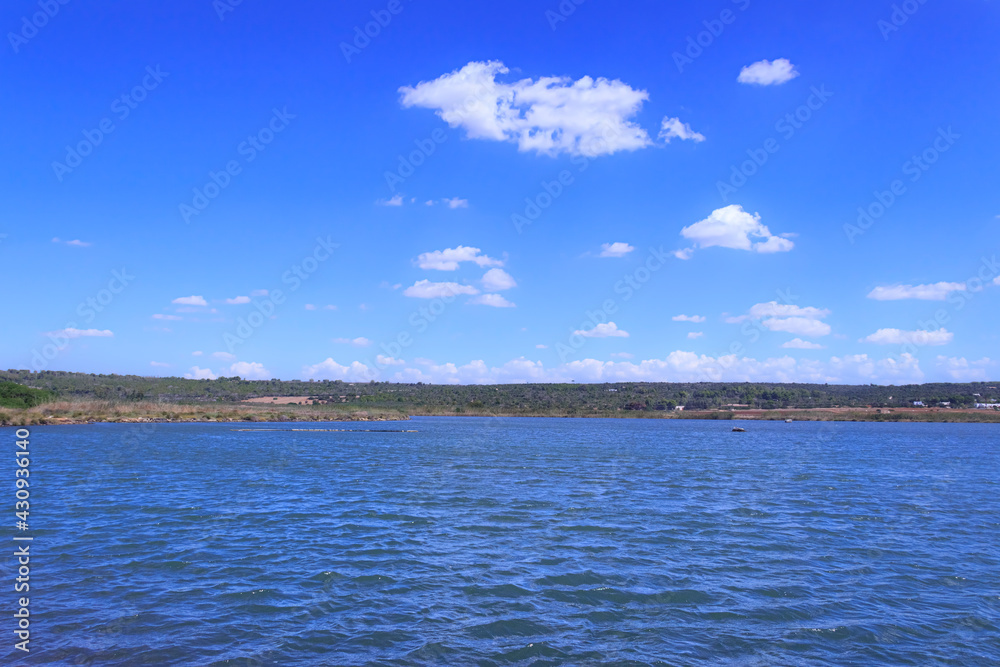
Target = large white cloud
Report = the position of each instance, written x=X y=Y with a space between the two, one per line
x=934 y=292
x=425 y=289
x=498 y=280
x=920 y=338
x=251 y=370
x=732 y=227
x=449 y=259
x=768 y=72
x=550 y=115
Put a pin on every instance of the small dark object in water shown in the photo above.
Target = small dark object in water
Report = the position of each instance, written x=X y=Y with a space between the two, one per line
x=737 y=429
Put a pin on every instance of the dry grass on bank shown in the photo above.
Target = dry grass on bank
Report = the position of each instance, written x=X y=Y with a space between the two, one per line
x=83 y=412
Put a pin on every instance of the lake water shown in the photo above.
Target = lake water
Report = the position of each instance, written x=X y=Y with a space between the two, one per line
x=513 y=542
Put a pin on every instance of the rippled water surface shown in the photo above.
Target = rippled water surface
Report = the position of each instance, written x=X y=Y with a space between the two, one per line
x=515 y=542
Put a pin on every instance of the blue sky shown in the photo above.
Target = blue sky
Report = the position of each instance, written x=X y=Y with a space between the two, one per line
x=178 y=165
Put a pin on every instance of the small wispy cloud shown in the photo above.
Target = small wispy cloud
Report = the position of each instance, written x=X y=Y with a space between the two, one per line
x=190 y=301
x=617 y=249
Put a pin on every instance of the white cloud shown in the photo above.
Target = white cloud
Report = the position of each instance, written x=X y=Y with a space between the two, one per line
x=75 y=242
x=551 y=115
x=959 y=369
x=200 y=374
x=686 y=253
x=238 y=300
x=673 y=128
x=161 y=316
x=360 y=341
x=678 y=366
x=425 y=289
x=497 y=280
x=310 y=306
x=389 y=361
x=331 y=370
x=82 y=333
x=799 y=344
x=395 y=201
x=190 y=301
x=456 y=202
x=197 y=353
x=789 y=318
x=919 y=338
x=775 y=309
x=607 y=330
x=694 y=335
x=159 y=364
x=934 y=292
x=494 y=300
x=250 y=370
x=996 y=281
x=799 y=326
x=259 y=292
x=768 y=73
x=697 y=319
x=732 y=227
x=541 y=347
x=225 y=356
x=617 y=249
x=450 y=259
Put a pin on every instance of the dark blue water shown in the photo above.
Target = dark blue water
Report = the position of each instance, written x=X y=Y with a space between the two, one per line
x=514 y=542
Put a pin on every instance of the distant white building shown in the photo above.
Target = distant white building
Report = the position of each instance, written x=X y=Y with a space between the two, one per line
x=988 y=406
x=679 y=408
x=919 y=404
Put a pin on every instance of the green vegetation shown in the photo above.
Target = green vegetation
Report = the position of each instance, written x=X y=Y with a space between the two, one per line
x=617 y=399
x=14 y=395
